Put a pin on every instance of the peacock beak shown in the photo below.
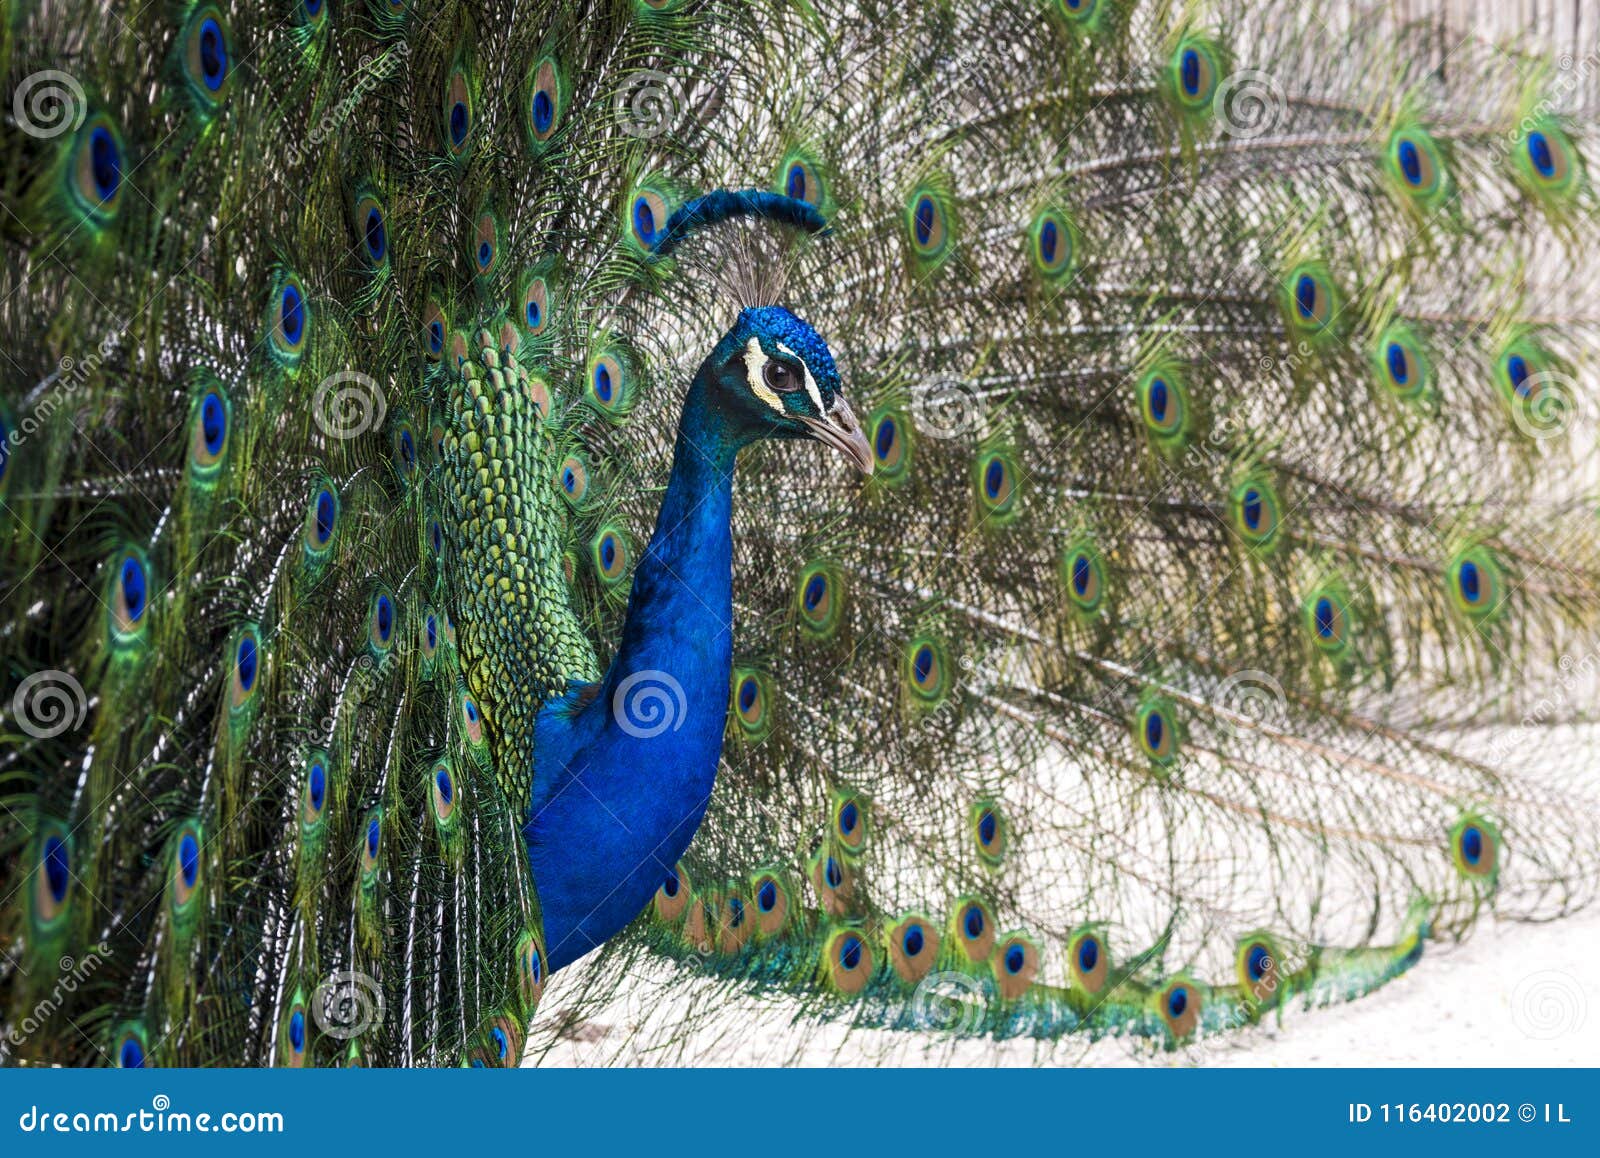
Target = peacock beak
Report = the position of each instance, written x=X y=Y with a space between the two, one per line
x=840 y=430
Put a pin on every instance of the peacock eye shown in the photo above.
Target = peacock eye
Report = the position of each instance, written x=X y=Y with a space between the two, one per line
x=780 y=376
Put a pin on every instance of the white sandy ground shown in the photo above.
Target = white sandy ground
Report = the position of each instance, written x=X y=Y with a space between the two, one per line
x=1514 y=995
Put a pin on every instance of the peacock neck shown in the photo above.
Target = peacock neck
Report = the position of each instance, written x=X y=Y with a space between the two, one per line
x=680 y=613
x=624 y=779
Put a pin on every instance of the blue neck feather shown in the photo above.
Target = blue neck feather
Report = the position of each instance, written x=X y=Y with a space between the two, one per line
x=623 y=780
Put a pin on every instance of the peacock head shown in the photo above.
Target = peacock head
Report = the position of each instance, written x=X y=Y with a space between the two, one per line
x=772 y=376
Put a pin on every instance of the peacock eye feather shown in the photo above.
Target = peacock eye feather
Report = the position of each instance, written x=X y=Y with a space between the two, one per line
x=1256 y=963
x=849 y=823
x=288 y=320
x=322 y=521
x=530 y=971
x=972 y=929
x=1312 y=302
x=996 y=485
x=310 y=15
x=534 y=304
x=1084 y=14
x=819 y=599
x=1475 y=584
x=207 y=58
x=368 y=220
x=1015 y=964
x=645 y=216
x=458 y=111
x=926 y=671
x=471 y=720
x=847 y=961
x=131 y=1048
x=1254 y=512
x=53 y=873
x=435 y=325
x=1053 y=244
x=539 y=396
x=989 y=831
x=928 y=225
x=609 y=553
x=1155 y=731
x=315 y=784
x=572 y=479
x=773 y=897
x=1546 y=163
x=608 y=383
x=545 y=103
x=210 y=420
x=184 y=875
x=129 y=597
x=1089 y=960
x=891 y=444
x=913 y=944
x=1403 y=364
x=1193 y=74
x=484 y=246
x=752 y=703
x=244 y=671
x=1537 y=389
x=1164 y=409
x=371 y=845
x=1475 y=849
x=1327 y=619
x=1178 y=1003
x=382 y=622
x=1416 y=166
x=1083 y=576
x=294 y=1034
x=800 y=176
x=672 y=898
x=96 y=173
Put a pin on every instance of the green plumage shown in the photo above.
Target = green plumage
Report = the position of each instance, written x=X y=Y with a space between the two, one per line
x=1202 y=645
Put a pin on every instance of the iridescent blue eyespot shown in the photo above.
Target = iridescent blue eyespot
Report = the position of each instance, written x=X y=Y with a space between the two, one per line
x=105 y=163
x=57 y=867
x=849 y=815
x=1088 y=954
x=925 y=217
x=670 y=885
x=767 y=896
x=189 y=858
x=1016 y=958
x=850 y=952
x=913 y=941
x=1177 y=1001
x=735 y=912
x=317 y=787
x=327 y=512
x=374 y=831
x=644 y=220
x=1472 y=844
x=376 y=237
x=544 y=111
x=297 y=1020
x=833 y=873
x=292 y=314
x=132 y=581
x=447 y=789
x=131 y=1055
x=972 y=922
x=1399 y=364
x=1305 y=296
x=1540 y=155
x=1190 y=71
x=1410 y=162
x=245 y=659
x=1258 y=962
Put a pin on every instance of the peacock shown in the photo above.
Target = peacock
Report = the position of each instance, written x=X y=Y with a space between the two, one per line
x=1033 y=520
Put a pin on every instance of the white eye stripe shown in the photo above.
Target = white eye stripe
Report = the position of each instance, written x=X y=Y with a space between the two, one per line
x=755 y=365
x=811 y=383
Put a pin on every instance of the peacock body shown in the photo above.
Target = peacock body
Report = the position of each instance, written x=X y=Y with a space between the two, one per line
x=413 y=579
